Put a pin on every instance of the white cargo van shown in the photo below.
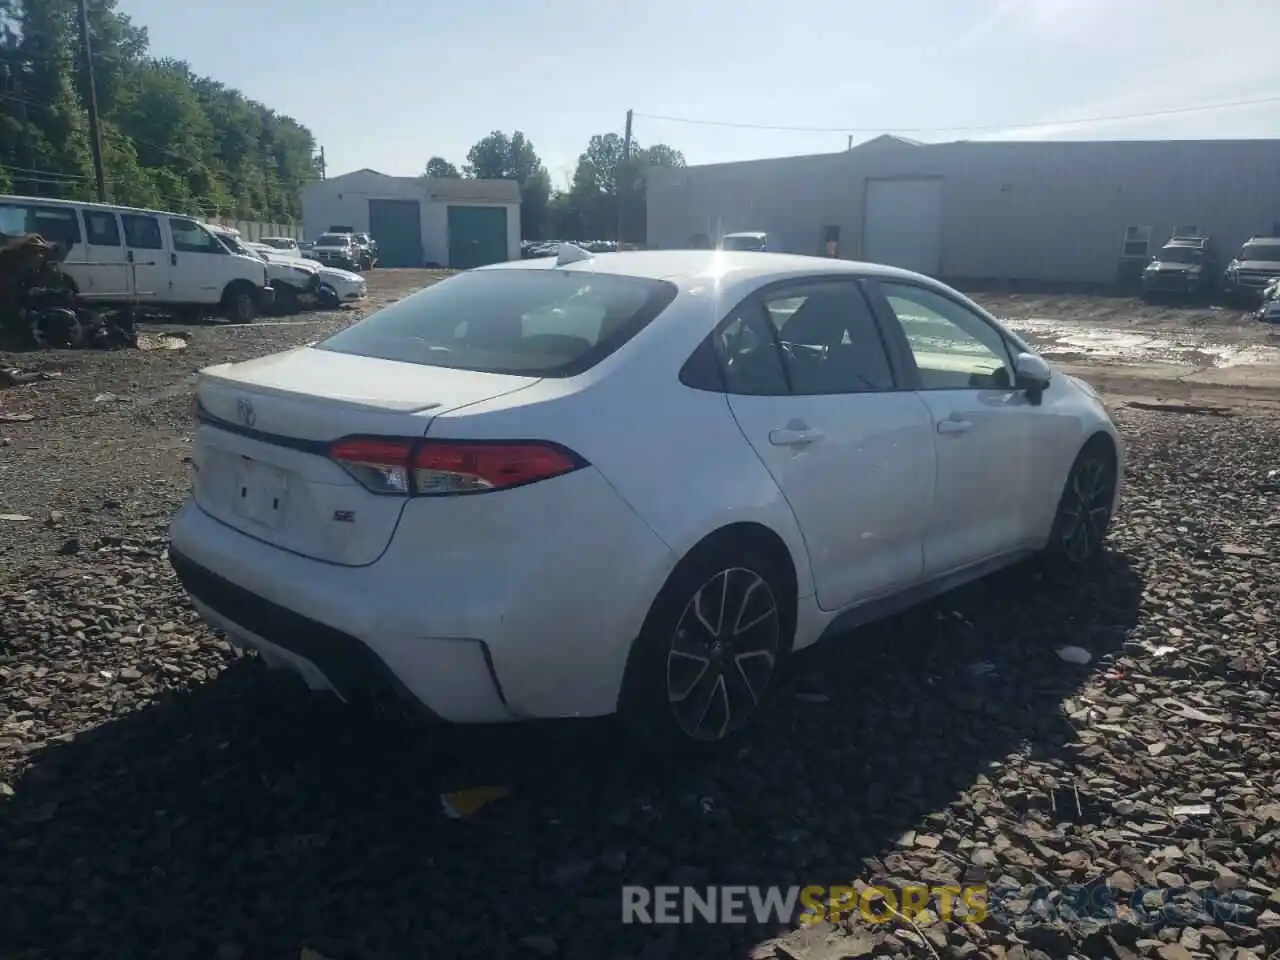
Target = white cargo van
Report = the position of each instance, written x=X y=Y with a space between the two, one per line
x=122 y=253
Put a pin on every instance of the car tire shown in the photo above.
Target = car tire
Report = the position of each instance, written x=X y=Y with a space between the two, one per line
x=696 y=677
x=1084 y=510
x=240 y=303
x=327 y=297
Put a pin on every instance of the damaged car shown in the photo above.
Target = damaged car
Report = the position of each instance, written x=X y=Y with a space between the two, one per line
x=1184 y=267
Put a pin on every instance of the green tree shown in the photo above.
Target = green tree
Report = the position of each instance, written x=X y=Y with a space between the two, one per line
x=438 y=168
x=170 y=137
x=499 y=157
x=593 y=198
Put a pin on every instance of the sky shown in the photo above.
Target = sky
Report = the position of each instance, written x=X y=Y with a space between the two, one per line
x=388 y=83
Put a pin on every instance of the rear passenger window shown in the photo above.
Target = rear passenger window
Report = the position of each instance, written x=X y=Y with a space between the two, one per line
x=101 y=229
x=55 y=224
x=748 y=354
x=141 y=233
x=830 y=341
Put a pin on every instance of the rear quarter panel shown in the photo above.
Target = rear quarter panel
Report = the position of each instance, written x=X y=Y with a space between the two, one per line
x=673 y=453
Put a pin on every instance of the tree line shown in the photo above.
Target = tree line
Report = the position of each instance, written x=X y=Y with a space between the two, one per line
x=604 y=185
x=171 y=139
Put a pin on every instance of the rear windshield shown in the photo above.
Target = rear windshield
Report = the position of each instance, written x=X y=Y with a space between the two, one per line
x=542 y=323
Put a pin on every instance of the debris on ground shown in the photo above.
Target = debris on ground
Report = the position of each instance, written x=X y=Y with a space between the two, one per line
x=1077 y=655
x=1203 y=409
x=40 y=307
x=13 y=377
x=461 y=804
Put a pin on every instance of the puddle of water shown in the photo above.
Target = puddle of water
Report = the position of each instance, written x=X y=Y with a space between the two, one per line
x=1057 y=339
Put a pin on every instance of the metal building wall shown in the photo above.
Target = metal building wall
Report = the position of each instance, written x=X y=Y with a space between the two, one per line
x=1054 y=211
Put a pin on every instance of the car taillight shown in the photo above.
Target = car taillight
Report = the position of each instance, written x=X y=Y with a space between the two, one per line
x=447 y=467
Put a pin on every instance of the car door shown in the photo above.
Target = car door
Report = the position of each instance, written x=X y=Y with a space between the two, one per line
x=983 y=427
x=147 y=257
x=812 y=387
x=108 y=269
x=197 y=262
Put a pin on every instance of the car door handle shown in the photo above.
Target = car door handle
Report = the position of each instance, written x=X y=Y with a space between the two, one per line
x=794 y=437
x=954 y=427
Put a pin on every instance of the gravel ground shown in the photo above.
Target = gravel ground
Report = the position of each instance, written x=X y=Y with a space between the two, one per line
x=161 y=796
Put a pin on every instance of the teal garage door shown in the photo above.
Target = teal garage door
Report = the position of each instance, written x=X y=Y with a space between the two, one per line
x=397 y=226
x=477 y=236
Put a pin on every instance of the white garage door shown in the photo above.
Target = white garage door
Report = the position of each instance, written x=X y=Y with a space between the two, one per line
x=902 y=224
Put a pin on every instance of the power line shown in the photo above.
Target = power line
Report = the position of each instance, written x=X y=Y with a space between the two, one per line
x=990 y=127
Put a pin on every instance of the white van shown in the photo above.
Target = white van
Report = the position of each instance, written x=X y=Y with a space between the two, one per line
x=122 y=253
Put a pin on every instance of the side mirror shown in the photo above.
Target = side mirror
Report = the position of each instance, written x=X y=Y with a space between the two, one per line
x=1032 y=373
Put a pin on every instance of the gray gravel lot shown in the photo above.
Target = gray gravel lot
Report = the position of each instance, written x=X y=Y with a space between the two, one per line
x=162 y=796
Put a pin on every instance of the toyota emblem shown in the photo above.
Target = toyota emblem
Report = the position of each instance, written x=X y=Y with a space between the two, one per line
x=244 y=410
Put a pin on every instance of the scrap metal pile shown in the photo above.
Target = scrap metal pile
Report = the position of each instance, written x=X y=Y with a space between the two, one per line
x=39 y=305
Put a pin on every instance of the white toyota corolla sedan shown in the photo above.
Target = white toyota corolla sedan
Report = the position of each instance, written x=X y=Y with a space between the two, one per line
x=627 y=482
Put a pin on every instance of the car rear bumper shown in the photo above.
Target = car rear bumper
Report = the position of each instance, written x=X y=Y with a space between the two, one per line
x=538 y=628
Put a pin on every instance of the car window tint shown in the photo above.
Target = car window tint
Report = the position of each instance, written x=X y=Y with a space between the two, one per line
x=830 y=341
x=954 y=348
x=748 y=354
x=189 y=237
x=101 y=228
x=141 y=233
x=531 y=322
x=55 y=224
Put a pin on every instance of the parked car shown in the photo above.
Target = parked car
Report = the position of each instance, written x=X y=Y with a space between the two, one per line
x=284 y=244
x=291 y=279
x=1185 y=266
x=337 y=250
x=369 y=248
x=616 y=486
x=333 y=286
x=751 y=240
x=1252 y=269
x=160 y=259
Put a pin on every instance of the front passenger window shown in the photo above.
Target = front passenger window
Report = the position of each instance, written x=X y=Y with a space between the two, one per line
x=954 y=348
x=190 y=237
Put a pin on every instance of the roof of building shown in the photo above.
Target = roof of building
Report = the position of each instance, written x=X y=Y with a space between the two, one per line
x=437 y=188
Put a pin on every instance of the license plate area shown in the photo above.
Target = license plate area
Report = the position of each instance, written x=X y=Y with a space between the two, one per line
x=260 y=494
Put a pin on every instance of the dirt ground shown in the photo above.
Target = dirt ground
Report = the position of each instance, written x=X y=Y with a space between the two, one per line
x=162 y=795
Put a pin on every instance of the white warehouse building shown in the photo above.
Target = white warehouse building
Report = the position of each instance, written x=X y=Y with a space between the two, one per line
x=419 y=221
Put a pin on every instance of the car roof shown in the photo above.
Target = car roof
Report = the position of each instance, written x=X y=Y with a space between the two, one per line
x=753 y=234
x=684 y=267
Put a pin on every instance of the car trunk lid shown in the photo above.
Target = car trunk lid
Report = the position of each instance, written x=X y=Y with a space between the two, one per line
x=261 y=458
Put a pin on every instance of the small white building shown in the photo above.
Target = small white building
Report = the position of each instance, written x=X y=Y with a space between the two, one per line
x=418 y=221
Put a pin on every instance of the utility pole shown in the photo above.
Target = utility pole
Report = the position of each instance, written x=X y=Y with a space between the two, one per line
x=622 y=176
x=322 y=164
x=95 y=132
x=850 y=146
